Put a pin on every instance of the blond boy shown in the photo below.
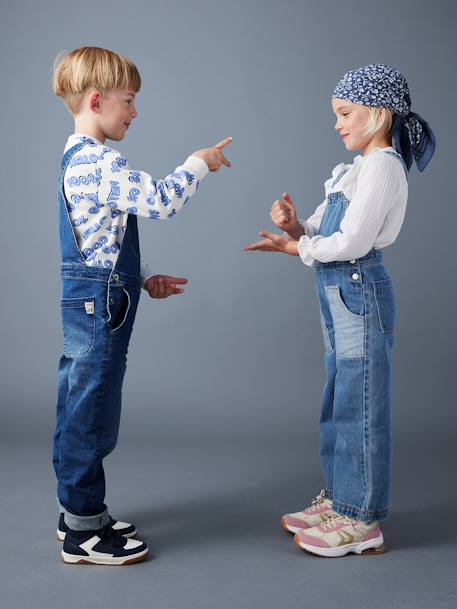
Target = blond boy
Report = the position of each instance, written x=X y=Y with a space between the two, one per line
x=100 y=198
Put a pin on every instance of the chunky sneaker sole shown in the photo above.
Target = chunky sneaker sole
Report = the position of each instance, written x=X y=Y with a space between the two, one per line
x=102 y=547
x=123 y=528
x=339 y=535
x=310 y=517
x=371 y=547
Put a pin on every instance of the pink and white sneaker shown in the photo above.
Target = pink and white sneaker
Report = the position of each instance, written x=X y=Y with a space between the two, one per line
x=338 y=535
x=309 y=517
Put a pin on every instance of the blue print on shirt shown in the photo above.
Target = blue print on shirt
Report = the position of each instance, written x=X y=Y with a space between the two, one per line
x=108 y=264
x=114 y=230
x=163 y=195
x=133 y=195
x=172 y=214
x=89 y=179
x=79 y=221
x=112 y=249
x=135 y=176
x=95 y=208
x=154 y=214
x=90 y=253
x=184 y=174
x=88 y=141
x=115 y=213
x=179 y=190
x=77 y=198
x=114 y=194
x=118 y=164
x=84 y=159
x=94 y=228
x=132 y=210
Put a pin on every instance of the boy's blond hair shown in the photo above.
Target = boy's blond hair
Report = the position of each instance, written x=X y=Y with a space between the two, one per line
x=92 y=67
x=380 y=119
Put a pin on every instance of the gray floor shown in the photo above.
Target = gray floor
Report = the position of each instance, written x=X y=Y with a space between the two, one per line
x=209 y=510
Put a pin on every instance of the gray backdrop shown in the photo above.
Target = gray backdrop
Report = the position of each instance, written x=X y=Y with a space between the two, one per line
x=219 y=432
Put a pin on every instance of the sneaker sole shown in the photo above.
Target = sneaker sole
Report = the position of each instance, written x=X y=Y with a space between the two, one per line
x=61 y=535
x=289 y=528
x=76 y=559
x=373 y=547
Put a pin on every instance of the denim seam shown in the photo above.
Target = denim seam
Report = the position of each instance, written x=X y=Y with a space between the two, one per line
x=364 y=399
x=85 y=278
x=105 y=381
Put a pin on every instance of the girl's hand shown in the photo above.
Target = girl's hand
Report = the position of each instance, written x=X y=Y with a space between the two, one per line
x=214 y=157
x=284 y=216
x=163 y=286
x=274 y=243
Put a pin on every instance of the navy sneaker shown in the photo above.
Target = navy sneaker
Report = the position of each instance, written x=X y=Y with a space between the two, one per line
x=102 y=547
x=123 y=528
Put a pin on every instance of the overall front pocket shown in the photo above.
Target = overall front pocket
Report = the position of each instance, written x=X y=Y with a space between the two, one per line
x=78 y=324
x=348 y=326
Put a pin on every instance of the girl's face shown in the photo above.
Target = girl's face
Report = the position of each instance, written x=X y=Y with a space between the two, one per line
x=351 y=120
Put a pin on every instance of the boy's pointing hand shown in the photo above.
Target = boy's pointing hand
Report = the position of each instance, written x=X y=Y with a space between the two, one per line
x=214 y=157
x=163 y=286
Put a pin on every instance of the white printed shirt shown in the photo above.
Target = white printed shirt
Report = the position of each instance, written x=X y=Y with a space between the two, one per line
x=377 y=189
x=101 y=190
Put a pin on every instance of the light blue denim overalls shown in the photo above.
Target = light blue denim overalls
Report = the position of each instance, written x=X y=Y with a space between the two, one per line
x=98 y=309
x=357 y=308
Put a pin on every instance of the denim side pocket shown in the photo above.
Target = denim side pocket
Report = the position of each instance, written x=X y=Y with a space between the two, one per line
x=119 y=307
x=349 y=327
x=385 y=304
x=78 y=325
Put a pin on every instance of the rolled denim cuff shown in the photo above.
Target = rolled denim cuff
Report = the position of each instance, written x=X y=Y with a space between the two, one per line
x=86 y=523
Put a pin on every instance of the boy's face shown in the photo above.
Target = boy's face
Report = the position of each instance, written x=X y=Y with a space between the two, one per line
x=116 y=112
x=351 y=120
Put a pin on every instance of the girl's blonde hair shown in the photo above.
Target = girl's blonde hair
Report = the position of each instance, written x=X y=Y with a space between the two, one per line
x=92 y=67
x=380 y=119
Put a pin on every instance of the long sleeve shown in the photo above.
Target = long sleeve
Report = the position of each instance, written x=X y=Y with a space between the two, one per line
x=377 y=188
x=145 y=272
x=311 y=225
x=136 y=192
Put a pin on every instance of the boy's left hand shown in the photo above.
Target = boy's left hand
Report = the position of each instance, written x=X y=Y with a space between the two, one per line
x=163 y=286
x=274 y=243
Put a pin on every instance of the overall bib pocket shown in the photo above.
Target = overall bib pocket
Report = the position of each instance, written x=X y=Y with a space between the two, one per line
x=385 y=304
x=78 y=325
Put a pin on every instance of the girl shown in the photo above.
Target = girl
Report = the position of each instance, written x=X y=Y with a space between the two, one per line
x=362 y=213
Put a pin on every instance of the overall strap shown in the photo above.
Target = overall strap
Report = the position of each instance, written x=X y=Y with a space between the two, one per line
x=339 y=176
x=67 y=158
x=70 y=252
x=398 y=156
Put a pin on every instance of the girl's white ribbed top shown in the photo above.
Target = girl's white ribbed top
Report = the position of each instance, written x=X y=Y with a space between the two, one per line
x=377 y=189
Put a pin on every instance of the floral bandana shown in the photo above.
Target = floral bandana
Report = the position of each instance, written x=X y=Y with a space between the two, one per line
x=381 y=86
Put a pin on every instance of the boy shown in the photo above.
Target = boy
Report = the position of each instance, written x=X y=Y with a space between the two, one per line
x=99 y=199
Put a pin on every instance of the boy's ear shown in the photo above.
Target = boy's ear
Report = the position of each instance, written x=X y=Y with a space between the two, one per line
x=95 y=99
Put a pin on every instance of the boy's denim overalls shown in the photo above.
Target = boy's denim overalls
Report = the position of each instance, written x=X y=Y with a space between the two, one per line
x=357 y=309
x=98 y=310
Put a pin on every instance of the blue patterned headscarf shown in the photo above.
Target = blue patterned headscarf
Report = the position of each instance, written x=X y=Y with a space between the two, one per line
x=381 y=86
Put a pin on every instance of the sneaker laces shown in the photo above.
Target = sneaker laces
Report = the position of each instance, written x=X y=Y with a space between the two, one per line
x=333 y=519
x=318 y=499
x=110 y=536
